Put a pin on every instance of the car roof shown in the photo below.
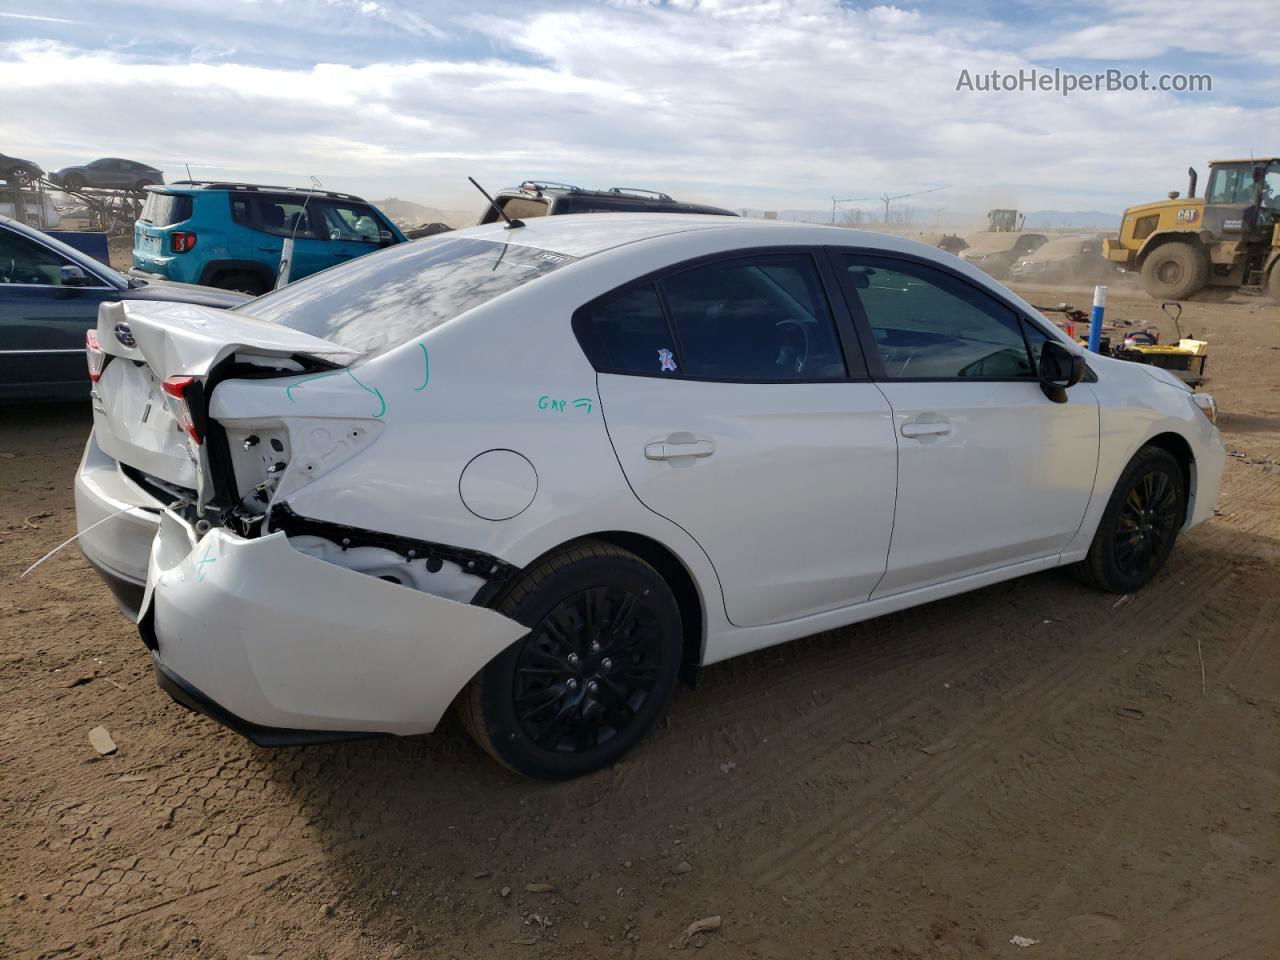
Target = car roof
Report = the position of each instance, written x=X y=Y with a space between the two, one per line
x=583 y=234
x=191 y=186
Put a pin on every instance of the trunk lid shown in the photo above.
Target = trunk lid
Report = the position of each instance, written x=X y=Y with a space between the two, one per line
x=144 y=343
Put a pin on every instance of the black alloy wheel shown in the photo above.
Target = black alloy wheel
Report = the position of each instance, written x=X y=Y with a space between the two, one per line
x=585 y=671
x=1147 y=523
x=593 y=674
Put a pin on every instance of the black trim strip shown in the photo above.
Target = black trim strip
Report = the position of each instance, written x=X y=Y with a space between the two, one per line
x=191 y=698
x=475 y=562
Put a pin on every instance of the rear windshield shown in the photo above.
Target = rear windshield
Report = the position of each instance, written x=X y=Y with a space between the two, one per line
x=166 y=209
x=387 y=298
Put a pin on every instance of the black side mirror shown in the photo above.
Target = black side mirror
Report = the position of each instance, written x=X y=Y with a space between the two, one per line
x=73 y=276
x=386 y=238
x=1060 y=368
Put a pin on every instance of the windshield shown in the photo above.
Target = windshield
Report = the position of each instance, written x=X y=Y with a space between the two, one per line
x=385 y=299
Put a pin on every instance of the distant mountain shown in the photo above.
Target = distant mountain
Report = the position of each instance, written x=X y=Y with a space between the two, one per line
x=1072 y=220
x=408 y=212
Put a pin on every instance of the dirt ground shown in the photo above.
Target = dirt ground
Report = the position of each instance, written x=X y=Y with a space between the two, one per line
x=1035 y=759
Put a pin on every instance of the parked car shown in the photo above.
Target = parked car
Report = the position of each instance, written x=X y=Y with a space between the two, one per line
x=1069 y=259
x=540 y=198
x=109 y=173
x=49 y=297
x=231 y=235
x=541 y=471
x=17 y=170
x=994 y=253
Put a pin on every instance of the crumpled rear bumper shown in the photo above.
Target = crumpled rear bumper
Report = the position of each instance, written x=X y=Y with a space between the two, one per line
x=268 y=640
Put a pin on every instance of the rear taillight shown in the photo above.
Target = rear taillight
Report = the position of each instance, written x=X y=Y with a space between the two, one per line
x=93 y=354
x=181 y=391
x=182 y=242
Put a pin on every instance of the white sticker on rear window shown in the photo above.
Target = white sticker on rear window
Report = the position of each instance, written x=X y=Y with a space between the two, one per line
x=666 y=361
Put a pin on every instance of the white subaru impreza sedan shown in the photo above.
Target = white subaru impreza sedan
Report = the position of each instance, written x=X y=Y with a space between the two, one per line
x=542 y=471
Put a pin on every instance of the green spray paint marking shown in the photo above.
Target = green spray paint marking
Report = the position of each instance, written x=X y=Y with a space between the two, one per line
x=288 y=391
x=374 y=390
x=583 y=402
x=200 y=564
x=426 y=369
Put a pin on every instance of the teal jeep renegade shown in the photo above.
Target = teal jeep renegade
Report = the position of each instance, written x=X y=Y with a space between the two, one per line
x=231 y=235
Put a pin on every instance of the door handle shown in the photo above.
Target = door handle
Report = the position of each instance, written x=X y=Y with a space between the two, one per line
x=671 y=449
x=927 y=428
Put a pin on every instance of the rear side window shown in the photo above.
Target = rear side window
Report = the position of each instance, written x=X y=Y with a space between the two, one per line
x=284 y=216
x=761 y=320
x=166 y=209
x=757 y=320
x=627 y=332
x=390 y=296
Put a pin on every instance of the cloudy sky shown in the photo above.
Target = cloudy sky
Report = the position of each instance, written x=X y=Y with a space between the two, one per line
x=745 y=103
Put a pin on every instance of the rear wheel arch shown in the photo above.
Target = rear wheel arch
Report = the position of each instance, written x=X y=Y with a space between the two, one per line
x=669 y=566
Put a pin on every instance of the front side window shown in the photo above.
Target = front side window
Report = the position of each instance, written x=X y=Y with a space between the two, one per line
x=348 y=221
x=390 y=296
x=929 y=325
x=27 y=262
x=764 y=320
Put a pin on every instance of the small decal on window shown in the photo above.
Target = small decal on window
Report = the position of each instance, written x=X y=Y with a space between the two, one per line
x=667 y=360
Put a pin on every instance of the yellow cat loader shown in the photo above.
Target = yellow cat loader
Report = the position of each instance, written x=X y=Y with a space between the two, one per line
x=1215 y=244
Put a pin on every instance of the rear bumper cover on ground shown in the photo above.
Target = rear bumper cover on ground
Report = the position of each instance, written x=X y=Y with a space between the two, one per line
x=262 y=636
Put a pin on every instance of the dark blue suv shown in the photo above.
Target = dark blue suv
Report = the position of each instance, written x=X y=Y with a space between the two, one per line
x=231 y=235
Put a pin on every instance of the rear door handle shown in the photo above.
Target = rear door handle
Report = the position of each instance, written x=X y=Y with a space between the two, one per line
x=671 y=449
x=926 y=428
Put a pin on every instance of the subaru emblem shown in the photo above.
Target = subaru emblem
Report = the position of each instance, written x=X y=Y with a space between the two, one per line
x=125 y=335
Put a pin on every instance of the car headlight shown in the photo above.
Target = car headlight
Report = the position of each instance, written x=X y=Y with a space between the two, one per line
x=1206 y=405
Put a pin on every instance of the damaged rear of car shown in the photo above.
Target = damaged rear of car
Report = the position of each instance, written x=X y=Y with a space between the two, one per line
x=229 y=497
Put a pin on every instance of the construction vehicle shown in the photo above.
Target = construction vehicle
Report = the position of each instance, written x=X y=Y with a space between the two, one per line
x=1215 y=244
x=1005 y=221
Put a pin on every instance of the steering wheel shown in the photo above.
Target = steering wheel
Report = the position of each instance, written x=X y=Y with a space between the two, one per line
x=783 y=358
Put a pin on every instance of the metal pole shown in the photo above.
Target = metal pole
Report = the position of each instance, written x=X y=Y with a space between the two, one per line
x=1095 y=319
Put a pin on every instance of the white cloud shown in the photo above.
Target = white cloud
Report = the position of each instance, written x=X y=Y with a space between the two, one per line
x=742 y=102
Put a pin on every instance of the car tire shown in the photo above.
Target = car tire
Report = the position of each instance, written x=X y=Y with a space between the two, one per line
x=73 y=181
x=1175 y=271
x=595 y=672
x=241 y=281
x=1139 y=526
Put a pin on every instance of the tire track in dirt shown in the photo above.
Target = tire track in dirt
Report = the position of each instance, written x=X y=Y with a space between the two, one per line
x=1155 y=778
x=985 y=739
x=912 y=670
x=1185 y=588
